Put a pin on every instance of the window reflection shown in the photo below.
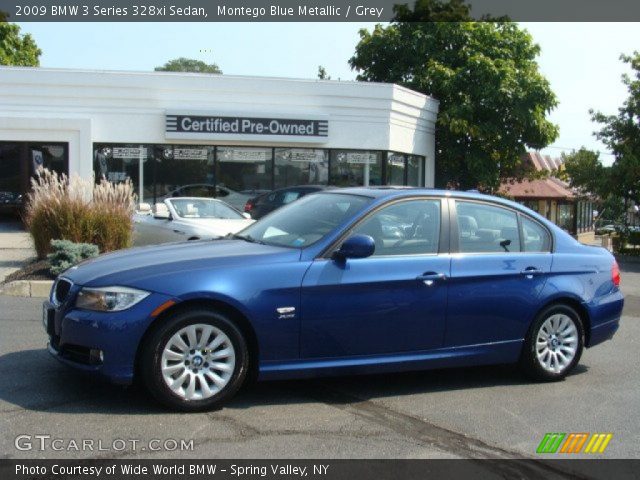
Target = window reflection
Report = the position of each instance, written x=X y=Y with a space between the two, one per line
x=244 y=168
x=354 y=168
x=301 y=166
x=158 y=171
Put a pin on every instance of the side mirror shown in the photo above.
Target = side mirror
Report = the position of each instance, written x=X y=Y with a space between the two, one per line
x=356 y=246
x=246 y=215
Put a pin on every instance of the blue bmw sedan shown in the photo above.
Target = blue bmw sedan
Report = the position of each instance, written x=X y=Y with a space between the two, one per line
x=340 y=282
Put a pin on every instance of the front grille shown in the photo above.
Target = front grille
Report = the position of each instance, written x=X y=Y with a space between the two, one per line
x=61 y=290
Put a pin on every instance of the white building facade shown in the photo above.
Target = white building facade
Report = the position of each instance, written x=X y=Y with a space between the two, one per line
x=166 y=131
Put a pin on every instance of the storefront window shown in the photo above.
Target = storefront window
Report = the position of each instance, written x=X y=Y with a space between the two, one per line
x=244 y=168
x=11 y=182
x=415 y=171
x=301 y=166
x=179 y=169
x=355 y=167
x=118 y=163
x=395 y=169
x=19 y=162
x=161 y=170
x=49 y=155
x=166 y=169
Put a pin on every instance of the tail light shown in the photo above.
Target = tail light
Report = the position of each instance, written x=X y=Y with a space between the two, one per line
x=615 y=274
x=248 y=206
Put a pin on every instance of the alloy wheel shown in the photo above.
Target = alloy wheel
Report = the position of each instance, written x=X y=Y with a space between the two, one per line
x=557 y=343
x=198 y=361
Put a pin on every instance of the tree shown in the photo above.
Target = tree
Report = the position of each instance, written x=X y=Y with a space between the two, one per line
x=493 y=99
x=17 y=49
x=322 y=73
x=585 y=172
x=621 y=133
x=183 y=64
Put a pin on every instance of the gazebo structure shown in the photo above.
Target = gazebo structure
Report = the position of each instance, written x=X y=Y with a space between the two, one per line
x=553 y=198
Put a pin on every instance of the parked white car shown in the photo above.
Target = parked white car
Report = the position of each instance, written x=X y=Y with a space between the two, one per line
x=186 y=218
x=235 y=199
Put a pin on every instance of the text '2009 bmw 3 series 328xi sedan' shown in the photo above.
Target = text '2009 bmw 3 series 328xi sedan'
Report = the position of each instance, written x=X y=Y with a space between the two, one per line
x=340 y=282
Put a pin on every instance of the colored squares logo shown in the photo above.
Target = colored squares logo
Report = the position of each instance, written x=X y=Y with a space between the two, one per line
x=574 y=443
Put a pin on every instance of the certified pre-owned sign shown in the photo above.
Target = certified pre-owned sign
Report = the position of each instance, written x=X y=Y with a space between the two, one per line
x=217 y=126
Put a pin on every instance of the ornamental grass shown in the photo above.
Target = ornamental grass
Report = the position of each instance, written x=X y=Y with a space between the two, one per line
x=79 y=210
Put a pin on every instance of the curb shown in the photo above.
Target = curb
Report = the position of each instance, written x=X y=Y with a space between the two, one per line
x=27 y=288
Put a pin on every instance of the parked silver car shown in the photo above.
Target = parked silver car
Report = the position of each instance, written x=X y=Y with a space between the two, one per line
x=186 y=218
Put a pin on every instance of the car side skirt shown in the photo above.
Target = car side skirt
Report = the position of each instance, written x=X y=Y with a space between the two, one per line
x=472 y=355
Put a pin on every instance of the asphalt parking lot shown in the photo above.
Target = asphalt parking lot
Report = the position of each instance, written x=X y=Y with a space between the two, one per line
x=479 y=412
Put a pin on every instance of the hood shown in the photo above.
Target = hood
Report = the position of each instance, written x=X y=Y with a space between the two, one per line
x=127 y=267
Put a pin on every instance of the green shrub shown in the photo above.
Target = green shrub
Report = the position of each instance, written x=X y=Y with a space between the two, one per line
x=79 y=210
x=66 y=254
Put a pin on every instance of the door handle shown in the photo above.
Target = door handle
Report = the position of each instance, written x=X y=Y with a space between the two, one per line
x=429 y=278
x=529 y=272
x=178 y=231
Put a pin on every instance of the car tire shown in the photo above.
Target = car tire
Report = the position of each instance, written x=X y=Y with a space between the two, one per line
x=186 y=371
x=554 y=344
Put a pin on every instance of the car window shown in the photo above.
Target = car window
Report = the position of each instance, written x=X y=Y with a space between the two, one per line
x=536 y=237
x=486 y=228
x=404 y=228
x=303 y=223
x=221 y=192
x=290 y=197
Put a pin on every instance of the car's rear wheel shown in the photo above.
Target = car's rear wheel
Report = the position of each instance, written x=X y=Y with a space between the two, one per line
x=196 y=360
x=554 y=344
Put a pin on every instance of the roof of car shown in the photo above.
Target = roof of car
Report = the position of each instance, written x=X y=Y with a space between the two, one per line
x=398 y=191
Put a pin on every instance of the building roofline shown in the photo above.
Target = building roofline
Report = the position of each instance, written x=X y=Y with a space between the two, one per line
x=139 y=73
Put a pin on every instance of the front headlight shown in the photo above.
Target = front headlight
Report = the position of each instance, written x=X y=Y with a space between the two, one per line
x=109 y=299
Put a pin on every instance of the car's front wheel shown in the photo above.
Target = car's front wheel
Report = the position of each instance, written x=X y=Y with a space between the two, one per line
x=554 y=344
x=195 y=360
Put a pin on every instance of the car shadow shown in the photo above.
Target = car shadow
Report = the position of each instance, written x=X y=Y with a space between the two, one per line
x=353 y=389
x=32 y=380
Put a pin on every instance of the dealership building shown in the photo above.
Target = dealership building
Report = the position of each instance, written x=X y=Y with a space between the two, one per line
x=165 y=131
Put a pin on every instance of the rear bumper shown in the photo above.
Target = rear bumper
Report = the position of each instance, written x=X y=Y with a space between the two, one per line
x=603 y=332
x=605 y=318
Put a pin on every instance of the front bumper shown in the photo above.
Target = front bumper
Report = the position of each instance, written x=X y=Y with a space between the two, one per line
x=100 y=343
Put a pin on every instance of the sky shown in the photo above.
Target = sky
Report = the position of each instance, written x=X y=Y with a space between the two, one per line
x=580 y=60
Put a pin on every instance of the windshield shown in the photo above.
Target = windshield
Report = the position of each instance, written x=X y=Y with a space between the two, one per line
x=203 y=208
x=305 y=221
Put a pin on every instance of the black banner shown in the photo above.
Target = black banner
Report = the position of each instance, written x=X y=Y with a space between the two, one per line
x=475 y=469
x=304 y=10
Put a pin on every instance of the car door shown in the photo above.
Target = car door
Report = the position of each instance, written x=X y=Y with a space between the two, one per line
x=503 y=261
x=393 y=301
